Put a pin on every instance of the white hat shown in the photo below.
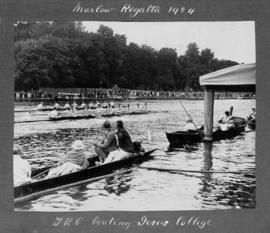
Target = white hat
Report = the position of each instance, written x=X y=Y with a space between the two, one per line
x=78 y=145
x=17 y=149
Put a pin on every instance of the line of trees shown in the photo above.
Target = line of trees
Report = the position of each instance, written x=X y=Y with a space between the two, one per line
x=57 y=54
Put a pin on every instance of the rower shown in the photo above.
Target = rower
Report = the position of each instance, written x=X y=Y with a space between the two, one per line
x=145 y=106
x=83 y=105
x=74 y=104
x=124 y=144
x=98 y=104
x=56 y=105
x=21 y=168
x=75 y=160
x=40 y=106
x=112 y=104
x=108 y=144
x=190 y=126
x=68 y=111
x=53 y=114
x=67 y=106
x=105 y=105
x=74 y=111
x=91 y=105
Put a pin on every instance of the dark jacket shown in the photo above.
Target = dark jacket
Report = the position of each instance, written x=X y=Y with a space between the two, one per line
x=124 y=140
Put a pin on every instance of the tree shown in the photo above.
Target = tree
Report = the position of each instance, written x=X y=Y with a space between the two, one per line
x=207 y=57
x=63 y=54
x=192 y=66
x=167 y=65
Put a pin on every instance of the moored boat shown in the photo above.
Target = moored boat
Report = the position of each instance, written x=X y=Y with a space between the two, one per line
x=180 y=138
x=38 y=188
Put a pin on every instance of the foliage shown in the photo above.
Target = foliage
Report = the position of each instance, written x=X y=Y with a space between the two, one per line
x=63 y=54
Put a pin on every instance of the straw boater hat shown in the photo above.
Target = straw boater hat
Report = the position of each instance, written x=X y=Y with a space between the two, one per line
x=78 y=145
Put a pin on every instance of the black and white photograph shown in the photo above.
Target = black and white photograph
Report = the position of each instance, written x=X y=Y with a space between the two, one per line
x=134 y=116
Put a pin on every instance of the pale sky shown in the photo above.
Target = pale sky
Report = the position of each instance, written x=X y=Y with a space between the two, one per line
x=228 y=40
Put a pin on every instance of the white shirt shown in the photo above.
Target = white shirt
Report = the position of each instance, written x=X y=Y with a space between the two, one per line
x=189 y=126
x=40 y=106
x=53 y=114
x=67 y=105
x=21 y=171
x=226 y=120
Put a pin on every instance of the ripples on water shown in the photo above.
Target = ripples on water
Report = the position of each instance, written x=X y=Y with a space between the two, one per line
x=142 y=189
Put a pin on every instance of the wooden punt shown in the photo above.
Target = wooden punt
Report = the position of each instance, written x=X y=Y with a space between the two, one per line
x=92 y=173
x=180 y=138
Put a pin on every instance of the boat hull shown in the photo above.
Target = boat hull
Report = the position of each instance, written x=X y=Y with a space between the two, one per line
x=27 y=191
x=180 y=138
x=61 y=118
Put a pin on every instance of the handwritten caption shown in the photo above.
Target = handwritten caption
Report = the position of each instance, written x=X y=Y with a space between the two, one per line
x=133 y=11
x=144 y=221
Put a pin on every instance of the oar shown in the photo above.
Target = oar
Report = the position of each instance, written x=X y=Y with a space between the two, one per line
x=191 y=119
x=30 y=121
x=39 y=174
x=188 y=171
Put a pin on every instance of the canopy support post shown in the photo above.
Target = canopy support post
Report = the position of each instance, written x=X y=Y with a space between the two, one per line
x=208 y=113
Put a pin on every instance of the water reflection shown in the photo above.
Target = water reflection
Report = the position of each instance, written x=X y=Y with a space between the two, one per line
x=207 y=166
x=78 y=193
x=119 y=183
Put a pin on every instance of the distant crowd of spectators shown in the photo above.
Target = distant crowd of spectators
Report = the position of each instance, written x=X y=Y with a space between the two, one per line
x=117 y=93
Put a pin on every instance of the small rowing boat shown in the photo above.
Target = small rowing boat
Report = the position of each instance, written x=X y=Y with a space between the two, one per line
x=76 y=117
x=92 y=173
x=180 y=138
x=47 y=109
x=89 y=116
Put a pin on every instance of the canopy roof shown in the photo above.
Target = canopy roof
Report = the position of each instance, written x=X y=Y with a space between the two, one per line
x=244 y=74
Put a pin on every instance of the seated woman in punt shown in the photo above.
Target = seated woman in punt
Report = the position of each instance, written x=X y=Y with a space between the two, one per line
x=226 y=122
x=75 y=160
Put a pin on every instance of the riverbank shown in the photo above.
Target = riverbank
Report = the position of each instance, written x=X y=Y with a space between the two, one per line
x=137 y=98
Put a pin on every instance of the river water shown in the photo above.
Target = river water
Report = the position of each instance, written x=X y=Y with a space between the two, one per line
x=140 y=189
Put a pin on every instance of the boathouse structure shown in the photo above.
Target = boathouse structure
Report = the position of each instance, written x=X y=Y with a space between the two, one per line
x=236 y=78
